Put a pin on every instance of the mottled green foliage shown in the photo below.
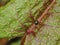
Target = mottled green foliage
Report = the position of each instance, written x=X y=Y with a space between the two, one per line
x=16 y=13
x=50 y=32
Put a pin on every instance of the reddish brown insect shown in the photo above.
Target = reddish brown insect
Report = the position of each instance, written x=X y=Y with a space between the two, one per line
x=30 y=30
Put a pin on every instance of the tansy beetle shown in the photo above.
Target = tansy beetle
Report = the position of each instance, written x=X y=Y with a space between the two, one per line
x=31 y=29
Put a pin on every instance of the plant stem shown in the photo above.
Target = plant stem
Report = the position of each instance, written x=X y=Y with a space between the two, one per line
x=42 y=16
x=29 y=30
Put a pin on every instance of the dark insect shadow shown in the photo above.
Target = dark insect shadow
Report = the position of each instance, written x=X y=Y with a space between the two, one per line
x=13 y=40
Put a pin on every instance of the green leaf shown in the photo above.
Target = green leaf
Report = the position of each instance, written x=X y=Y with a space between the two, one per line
x=49 y=33
x=16 y=13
